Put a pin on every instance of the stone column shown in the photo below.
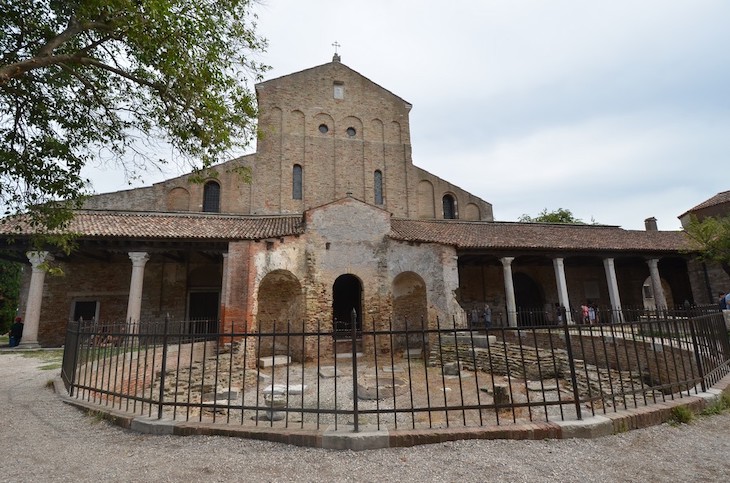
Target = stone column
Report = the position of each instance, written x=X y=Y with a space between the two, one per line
x=134 y=306
x=563 y=299
x=656 y=284
x=509 y=291
x=32 y=317
x=613 y=293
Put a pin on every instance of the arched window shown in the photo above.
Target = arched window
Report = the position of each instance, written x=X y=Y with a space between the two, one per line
x=449 y=207
x=296 y=182
x=212 y=197
x=378 y=187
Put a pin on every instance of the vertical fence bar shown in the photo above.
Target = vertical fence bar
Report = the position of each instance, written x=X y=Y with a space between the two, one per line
x=356 y=416
x=163 y=369
x=698 y=356
x=571 y=364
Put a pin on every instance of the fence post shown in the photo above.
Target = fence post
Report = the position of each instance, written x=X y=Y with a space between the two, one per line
x=353 y=319
x=71 y=335
x=164 y=366
x=571 y=363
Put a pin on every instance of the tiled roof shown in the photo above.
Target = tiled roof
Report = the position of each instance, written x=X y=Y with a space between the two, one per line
x=536 y=236
x=187 y=226
x=718 y=199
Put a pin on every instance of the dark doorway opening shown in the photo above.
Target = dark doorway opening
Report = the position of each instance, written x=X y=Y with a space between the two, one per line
x=346 y=296
x=85 y=310
x=529 y=301
x=203 y=312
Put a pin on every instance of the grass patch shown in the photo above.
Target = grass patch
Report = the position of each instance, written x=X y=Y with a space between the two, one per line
x=681 y=415
x=50 y=367
x=55 y=355
x=719 y=406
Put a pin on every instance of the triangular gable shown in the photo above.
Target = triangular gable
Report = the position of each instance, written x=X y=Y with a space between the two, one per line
x=292 y=78
x=348 y=219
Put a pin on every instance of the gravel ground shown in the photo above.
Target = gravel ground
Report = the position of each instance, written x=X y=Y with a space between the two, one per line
x=42 y=439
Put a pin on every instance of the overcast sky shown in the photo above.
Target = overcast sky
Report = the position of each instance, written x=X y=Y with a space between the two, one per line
x=615 y=110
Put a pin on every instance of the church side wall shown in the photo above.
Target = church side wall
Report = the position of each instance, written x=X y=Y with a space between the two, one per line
x=429 y=191
x=183 y=194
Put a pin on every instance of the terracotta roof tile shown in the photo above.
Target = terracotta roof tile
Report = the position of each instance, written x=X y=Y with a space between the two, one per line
x=723 y=197
x=536 y=236
x=190 y=226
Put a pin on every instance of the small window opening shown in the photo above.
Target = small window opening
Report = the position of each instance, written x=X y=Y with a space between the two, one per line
x=339 y=90
x=296 y=188
x=351 y=132
x=211 y=197
x=449 y=207
x=378 y=187
x=323 y=128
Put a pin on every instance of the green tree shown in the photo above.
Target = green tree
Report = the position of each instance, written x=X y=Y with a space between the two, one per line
x=9 y=292
x=560 y=215
x=90 y=80
x=711 y=239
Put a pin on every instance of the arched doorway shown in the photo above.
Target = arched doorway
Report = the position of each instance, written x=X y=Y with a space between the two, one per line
x=410 y=309
x=281 y=313
x=346 y=295
x=529 y=300
x=647 y=293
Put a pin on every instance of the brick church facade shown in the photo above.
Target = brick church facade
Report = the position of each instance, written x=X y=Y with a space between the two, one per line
x=336 y=217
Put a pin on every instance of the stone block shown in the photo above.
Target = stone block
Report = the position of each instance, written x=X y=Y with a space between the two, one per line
x=272 y=361
x=368 y=438
x=592 y=427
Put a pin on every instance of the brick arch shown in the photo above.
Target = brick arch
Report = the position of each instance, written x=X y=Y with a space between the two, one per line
x=647 y=294
x=471 y=212
x=410 y=309
x=350 y=121
x=323 y=118
x=425 y=200
x=178 y=199
x=281 y=313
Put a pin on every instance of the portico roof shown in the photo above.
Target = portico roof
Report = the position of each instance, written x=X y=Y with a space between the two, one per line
x=466 y=235
x=186 y=226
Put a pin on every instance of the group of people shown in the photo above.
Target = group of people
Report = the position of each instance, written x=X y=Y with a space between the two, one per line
x=723 y=301
x=480 y=317
x=588 y=313
x=16 y=332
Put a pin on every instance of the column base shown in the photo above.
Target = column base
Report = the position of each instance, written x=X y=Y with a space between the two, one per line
x=28 y=345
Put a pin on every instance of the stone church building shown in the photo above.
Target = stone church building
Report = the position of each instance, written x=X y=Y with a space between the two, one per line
x=336 y=217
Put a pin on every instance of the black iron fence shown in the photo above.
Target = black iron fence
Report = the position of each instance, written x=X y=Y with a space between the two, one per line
x=396 y=374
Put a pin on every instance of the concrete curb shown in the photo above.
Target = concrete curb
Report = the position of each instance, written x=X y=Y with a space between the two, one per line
x=372 y=438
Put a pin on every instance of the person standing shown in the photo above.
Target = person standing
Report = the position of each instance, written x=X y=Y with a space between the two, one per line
x=487 y=317
x=722 y=301
x=16 y=332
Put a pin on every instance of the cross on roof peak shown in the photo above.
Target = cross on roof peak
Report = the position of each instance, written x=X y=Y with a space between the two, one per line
x=336 y=57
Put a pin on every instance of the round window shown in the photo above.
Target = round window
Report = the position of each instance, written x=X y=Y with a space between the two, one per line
x=323 y=128
x=351 y=132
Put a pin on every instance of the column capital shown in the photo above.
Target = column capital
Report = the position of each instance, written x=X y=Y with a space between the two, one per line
x=138 y=258
x=37 y=258
x=507 y=261
x=652 y=262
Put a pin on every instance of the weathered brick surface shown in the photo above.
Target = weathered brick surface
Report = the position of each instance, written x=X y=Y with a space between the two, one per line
x=292 y=109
